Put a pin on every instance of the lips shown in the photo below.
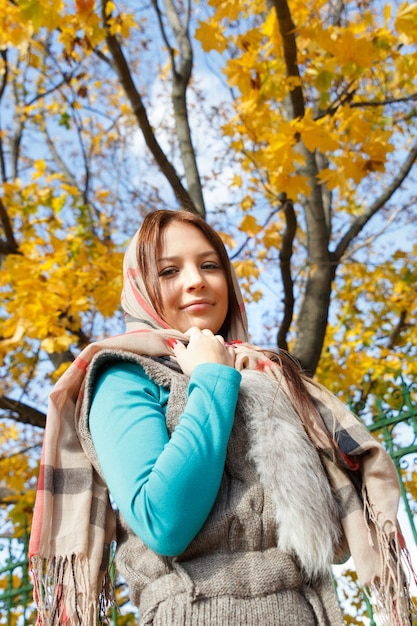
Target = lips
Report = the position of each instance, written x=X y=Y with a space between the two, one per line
x=196 y=305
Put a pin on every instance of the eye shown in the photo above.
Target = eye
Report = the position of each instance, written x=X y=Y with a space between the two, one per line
x=167 y=271
x=211 y=265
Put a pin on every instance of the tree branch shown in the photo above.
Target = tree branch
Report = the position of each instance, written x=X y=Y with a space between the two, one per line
x=122 y=69
x=22 y=413
x=285 y=255
x=313 y=315
x=402 y=323
x=359 y=223
x=19 y=120
x=3 y=86
x=181 y=74
x=287 y=30
x=347 y=96
x=9 y=246
x=383 y=103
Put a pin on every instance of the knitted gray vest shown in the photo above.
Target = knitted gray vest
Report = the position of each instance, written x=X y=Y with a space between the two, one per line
x=262 y=557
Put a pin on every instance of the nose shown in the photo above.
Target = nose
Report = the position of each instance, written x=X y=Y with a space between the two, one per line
x=193 y=278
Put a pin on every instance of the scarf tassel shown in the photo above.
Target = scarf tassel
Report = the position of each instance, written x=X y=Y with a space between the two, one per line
x=390 y=595
x=61 y=592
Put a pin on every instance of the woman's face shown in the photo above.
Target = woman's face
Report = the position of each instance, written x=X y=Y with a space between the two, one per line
x=192 y=282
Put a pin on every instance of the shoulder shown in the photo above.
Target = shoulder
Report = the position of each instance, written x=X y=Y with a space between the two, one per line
x=119 y=377
x=119 y=365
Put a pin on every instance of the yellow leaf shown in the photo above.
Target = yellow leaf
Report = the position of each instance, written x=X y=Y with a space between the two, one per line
x=315 y=136
x=227 y=9
x=211 y=37
x=247 y=203
x=272 y=238
x=250 y=226
x=270 y=26
x=84 y=6
x=227 y=239
x=246 y=269
x=17 y=336
x=236 y=181
x=57 y=344
x=110 y=7
x=406 y=22
x=60 y=370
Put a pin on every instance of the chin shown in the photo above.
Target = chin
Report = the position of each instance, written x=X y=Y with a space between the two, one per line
x=202 y=325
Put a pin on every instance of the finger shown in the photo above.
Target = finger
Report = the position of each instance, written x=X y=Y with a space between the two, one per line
x=178 y=347
x=232 y=355
x=220 y=339
x=207 y=332
x=194 y=330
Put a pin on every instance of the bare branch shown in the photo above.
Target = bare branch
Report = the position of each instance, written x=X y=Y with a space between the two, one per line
x=359 y=223
x=285 y=255
x=5 y=76
x=39 y=96
x=347 y=95
x=9 y=246
x=22 y=413
x=17 y=138
x=181 y=74
x=343 y=97
x=122 y=69
x=401 y=324
x=383 y=103
x=170 y=49
x=287 y=30
x=338 y=9
x=3 y=86
x=368 y=241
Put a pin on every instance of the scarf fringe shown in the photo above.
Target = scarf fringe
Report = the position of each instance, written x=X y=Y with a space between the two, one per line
x=62 y=592
x=390 y=595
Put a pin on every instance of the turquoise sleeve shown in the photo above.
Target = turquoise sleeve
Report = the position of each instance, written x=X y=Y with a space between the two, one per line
x=164 y=487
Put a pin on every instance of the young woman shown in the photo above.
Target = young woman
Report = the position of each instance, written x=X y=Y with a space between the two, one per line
x=231 y=473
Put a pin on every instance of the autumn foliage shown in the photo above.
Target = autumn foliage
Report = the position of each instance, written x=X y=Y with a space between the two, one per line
x=291 y=126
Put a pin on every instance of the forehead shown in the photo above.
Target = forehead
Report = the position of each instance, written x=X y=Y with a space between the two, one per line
x=180 y=237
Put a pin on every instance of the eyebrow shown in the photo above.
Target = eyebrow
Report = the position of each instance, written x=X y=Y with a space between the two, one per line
x=201 y=255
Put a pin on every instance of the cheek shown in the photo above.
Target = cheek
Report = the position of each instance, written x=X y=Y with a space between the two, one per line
x=224 y=297
x=224 y=291
x=168 y=293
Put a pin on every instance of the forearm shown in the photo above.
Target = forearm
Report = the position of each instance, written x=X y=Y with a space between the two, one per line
x=165 y=487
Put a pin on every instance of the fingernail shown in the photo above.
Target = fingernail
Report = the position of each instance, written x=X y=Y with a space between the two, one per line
x=172 y=342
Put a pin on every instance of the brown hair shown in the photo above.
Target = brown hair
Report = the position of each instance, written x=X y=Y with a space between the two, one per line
x=296 y=380
x=147 y=246
x=148 y=242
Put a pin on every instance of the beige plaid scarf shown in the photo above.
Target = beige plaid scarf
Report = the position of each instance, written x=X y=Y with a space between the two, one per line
x=73 y=523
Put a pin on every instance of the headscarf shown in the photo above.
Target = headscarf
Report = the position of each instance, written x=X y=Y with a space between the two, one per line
x=140 y=312
x=73 y=523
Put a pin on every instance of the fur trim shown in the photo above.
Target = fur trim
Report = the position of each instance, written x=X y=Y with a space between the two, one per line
x=289 y=466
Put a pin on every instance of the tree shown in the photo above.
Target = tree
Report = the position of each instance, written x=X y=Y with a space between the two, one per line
x=322 y=102
x=300 y=147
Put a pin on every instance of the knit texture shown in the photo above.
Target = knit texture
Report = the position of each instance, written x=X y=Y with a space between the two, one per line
x=234 y=571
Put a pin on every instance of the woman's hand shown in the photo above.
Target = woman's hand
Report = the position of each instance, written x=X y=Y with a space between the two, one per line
x=203 y=347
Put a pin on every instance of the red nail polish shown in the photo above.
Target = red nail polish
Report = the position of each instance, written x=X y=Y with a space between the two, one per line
x=171 y=342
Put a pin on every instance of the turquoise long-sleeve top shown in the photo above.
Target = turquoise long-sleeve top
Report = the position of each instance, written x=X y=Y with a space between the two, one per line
x=164 y=486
